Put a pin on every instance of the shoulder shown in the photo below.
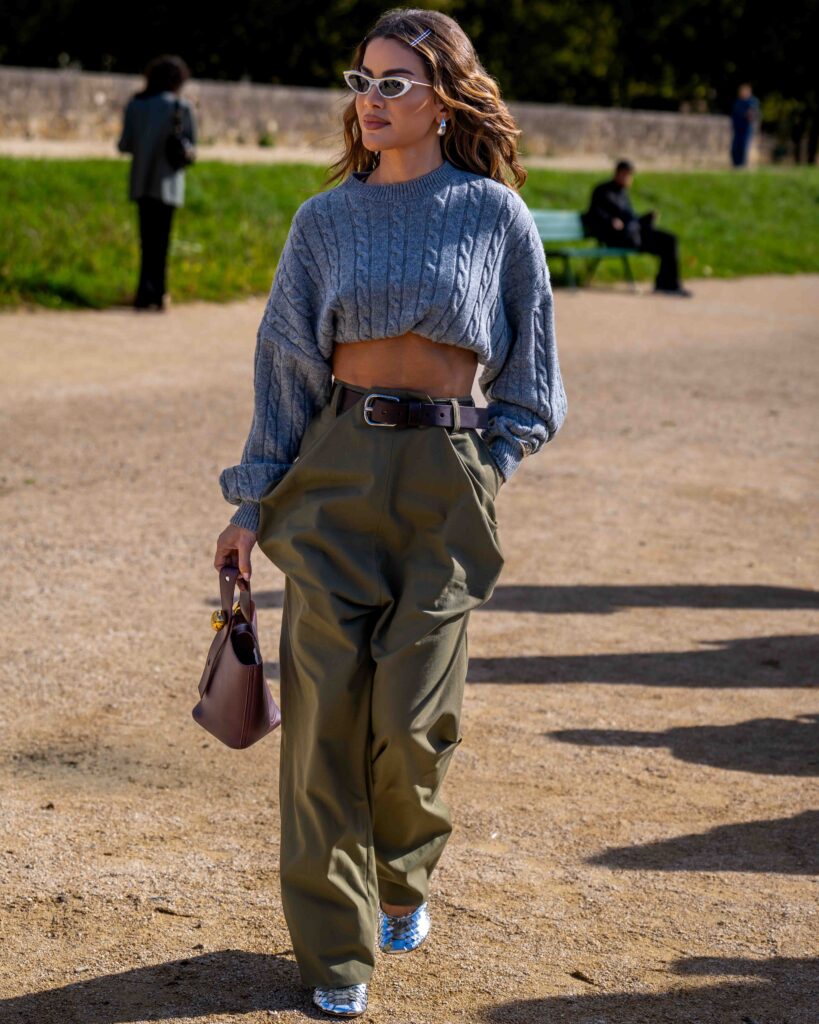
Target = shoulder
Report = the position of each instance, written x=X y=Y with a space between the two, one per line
x=305 y=220
x=514 y=216
x=318 y=204
x=304 y=233
x=320 y=215
x=497 y=196
x=504 y=213
x=313 y=203
x=169 y=99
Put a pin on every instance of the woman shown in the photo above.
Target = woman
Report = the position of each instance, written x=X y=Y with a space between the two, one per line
x=154 y=184
x=374 y=493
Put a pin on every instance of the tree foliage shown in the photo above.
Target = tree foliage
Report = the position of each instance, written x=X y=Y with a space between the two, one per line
x=649 y=54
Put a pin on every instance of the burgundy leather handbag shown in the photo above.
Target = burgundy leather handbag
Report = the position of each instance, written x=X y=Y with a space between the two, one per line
x=235 y=703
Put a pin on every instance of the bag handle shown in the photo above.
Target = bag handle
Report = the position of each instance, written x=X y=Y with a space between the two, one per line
x=228 y=579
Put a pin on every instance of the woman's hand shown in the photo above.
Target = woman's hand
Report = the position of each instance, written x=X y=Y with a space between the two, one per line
x=233 y=547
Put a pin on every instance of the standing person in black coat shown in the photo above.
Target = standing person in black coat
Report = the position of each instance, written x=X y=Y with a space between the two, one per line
x=611 y=220
x=157 y=187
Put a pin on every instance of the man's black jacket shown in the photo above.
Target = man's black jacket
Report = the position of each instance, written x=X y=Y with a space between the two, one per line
x=610 y=200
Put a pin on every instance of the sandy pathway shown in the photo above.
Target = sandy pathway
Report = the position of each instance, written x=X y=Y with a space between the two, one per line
x=634 y=801
x=234 y=153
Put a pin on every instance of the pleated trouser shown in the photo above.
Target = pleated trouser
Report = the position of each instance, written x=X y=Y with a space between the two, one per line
x=388 y=538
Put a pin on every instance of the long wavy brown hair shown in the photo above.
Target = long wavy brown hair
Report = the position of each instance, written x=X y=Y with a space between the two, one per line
x=481 y=134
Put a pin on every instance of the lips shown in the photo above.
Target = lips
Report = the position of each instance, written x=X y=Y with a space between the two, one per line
x=374 y=122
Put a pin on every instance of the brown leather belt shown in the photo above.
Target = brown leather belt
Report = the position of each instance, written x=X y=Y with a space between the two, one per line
x=382 y=410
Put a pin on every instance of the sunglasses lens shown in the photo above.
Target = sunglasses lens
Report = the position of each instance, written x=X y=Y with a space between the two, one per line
x=357 y=83
x=391 y=87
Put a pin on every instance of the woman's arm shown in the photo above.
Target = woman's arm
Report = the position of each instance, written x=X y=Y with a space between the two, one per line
x=292 y=381
x=526 y=398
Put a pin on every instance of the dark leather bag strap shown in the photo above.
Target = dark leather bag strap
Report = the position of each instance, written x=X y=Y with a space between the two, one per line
x=228 y=580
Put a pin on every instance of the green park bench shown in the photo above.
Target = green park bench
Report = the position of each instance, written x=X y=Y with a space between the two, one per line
x=567 y=226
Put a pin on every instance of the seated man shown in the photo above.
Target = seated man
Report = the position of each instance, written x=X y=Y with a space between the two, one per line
x=611 y=220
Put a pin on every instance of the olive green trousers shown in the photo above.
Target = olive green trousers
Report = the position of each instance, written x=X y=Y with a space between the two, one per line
x=387 y=537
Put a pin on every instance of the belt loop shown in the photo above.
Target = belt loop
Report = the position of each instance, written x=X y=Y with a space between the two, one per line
x=456 y=414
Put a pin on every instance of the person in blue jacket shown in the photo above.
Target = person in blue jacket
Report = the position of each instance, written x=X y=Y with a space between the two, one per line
x=744 y=117
x=155 y=185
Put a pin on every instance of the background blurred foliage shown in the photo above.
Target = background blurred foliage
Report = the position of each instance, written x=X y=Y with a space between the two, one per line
x=649 y=54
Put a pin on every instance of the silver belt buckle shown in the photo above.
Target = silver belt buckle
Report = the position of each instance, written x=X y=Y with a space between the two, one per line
x=368 y=407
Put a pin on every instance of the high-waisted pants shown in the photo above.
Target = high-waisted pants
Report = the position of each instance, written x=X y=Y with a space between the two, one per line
x=388 y=538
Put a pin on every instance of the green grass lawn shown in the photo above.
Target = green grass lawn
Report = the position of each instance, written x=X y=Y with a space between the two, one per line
x=69 y=235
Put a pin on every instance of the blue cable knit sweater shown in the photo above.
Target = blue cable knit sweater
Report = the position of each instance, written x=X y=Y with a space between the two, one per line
x=452 y=255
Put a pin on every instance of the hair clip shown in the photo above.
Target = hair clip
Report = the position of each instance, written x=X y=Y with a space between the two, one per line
x=423 y=35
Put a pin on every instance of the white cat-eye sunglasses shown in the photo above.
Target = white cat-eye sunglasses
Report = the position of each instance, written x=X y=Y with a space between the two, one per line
x=390 y=87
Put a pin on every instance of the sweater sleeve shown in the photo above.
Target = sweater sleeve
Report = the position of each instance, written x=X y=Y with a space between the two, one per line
x=526 y=398
x=292 y=381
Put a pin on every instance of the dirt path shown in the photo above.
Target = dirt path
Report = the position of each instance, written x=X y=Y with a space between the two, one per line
x=635 y=834
x=81 y=149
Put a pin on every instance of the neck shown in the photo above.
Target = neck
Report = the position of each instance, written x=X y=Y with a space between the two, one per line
x=395 y=167
x=411 y=188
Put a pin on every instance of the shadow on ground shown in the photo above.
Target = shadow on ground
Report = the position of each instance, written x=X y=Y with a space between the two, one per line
x=769 y=746
x=228 y=981
x=786 y=991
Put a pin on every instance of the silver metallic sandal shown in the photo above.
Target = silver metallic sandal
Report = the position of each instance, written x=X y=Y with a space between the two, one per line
x=405 y=933
x=346 y=1001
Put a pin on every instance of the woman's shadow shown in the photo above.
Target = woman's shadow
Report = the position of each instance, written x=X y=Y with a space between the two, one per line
x=227 y=981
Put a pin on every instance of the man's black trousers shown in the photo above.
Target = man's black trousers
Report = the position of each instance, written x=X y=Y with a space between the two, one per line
x=658 y=242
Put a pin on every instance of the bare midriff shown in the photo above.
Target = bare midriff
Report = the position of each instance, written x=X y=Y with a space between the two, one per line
x=407 y=361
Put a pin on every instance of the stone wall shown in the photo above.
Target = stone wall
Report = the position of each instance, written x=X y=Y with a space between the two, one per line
x=41 y=103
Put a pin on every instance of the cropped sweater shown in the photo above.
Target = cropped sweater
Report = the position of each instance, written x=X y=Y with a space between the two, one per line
x=452 y=255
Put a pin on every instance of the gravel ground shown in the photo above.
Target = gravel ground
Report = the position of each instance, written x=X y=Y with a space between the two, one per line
x=635 y=839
